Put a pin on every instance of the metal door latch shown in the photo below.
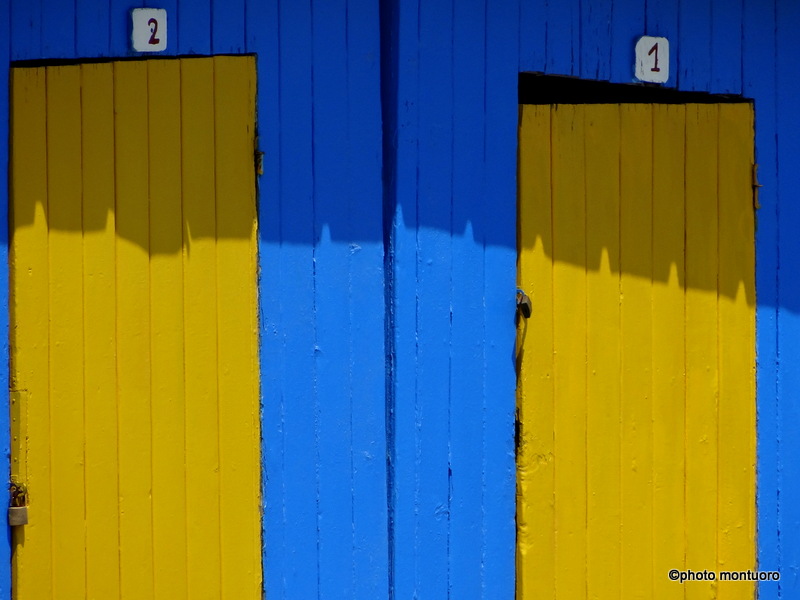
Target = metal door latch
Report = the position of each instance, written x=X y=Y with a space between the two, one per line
x=18 y=510
x=524 y=305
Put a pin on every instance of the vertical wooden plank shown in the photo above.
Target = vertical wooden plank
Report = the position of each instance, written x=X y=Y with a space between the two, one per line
x=234 y=108
x=694 y=41
x=669 y=384
x=569 y=335
x=701 y=343
x=120 y=28
x=434 y=300
x=58 y=29
x=25 y=29
x=535 y=349
x=298 y=386
x=759 y=74
x=264 y=39
x=93 y=28
x=228 y=26
x=563 y=50
x=200 y=328
x=736 y=302
x=366 y=287
x=603 y=352
x=167 y=344
x=787 y=87
x=726 y=47
x=99 y=287
x=466 y=379
x=596 y=20
x=497 y=236
x=335 y=530
x=533 y=35
x=628 y=23
x=30 y=334
x=133 y=329
x=195 y=26
x=662 y=20
x=404 y=553
x=66 y=330
x=636 y=340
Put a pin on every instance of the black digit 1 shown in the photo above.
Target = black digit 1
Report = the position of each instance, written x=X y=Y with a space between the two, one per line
x=153 y=30
x=654 y=49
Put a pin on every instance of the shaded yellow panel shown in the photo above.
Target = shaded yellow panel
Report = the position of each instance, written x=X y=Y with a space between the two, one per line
x=167 y=343
x=200 y=323
x=134 y=348
x=237 y=320
x=701 y=344
x=737 y=419
x=66 y=331
x=636 y=323
x=535 y=466
x=602 y=149
x=99 y=332
x=133 y=330
x=569 y=333
x=32 y=565
x=669 y=390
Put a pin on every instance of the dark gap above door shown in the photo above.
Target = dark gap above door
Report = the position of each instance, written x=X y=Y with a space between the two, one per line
x=538 y=88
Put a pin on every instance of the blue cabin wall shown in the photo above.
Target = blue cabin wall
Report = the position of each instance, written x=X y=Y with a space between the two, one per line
x=387 y=229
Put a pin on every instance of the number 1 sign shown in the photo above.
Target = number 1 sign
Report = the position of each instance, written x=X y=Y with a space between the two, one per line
x=652 y=59
x=149 y=29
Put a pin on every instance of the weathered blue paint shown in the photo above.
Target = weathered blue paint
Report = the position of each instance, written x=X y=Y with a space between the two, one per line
x=759 y=74
x=788 y=321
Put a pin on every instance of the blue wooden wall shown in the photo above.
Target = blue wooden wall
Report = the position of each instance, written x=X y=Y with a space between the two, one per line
x=387 y=253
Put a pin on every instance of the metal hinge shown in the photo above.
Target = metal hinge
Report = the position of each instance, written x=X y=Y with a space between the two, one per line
x=756 y=185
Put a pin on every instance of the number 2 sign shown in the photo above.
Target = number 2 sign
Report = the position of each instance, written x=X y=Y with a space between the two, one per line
x=652 y=59
x=149 y=29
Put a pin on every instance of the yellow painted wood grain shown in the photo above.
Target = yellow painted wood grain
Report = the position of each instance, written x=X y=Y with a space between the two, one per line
x=603 y=352
x=100 y=332
x=234 y=108
x=702 y=367
x=167 y=341
x=669 y=390
x=636 y=323
x=569 y=370
x=200 y=316
x=133 y=330
x=32 y=559
x=737 y=419
x=66 y=330
x=535 y=464
x=639 y=257
x=134 y=348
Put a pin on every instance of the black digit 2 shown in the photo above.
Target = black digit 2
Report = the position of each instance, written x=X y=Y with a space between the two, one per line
x=153 y=30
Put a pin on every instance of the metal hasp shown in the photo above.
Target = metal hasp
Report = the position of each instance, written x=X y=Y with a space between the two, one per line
x=18 y=510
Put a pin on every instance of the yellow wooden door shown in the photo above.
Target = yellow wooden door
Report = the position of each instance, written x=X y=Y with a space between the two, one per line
x=636 y=389
x=133 y=339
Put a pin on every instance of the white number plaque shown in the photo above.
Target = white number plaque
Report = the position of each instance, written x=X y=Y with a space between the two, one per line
x=652 y=59
x=149 y=29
